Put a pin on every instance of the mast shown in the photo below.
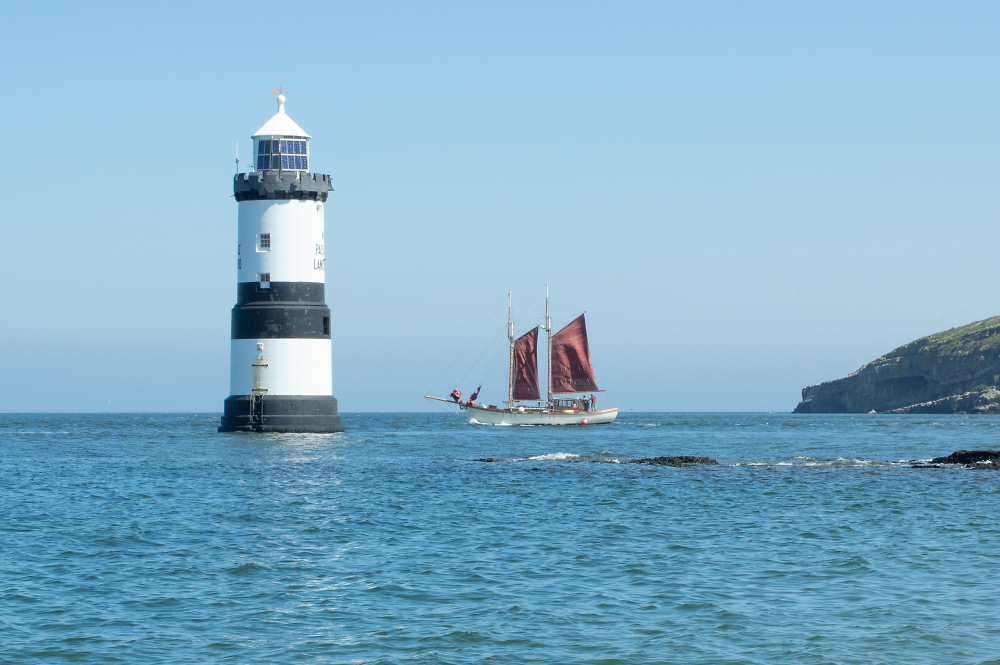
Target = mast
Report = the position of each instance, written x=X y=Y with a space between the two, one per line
x=548 y=353
x=510 y=368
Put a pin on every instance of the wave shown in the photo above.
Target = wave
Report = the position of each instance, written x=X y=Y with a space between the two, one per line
x=554 y=456
x=810 y=462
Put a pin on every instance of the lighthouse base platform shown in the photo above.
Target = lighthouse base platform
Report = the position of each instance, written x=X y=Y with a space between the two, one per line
x=281 y=413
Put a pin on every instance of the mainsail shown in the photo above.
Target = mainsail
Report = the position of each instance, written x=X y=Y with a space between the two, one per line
x=526 y=366
x=570 y=360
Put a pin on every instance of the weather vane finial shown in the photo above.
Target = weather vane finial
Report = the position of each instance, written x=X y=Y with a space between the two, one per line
x=281 y=98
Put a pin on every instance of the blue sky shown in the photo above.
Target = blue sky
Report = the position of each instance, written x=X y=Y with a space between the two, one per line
x=746 y=198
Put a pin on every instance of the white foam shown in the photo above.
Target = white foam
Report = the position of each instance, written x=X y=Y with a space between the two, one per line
x=554 y=456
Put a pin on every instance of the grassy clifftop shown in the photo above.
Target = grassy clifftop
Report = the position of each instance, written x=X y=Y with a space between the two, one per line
x=935 y=367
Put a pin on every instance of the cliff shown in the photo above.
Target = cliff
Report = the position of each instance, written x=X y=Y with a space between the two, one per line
x=954 y=371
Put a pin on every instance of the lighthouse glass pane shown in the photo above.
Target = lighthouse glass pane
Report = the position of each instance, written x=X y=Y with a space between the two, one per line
x=285 y=153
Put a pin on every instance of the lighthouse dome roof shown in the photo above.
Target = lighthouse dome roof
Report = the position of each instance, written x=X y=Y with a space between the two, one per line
x=280 y=124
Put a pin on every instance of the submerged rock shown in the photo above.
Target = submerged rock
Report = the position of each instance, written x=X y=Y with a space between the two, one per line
x=489 y=459
x=679 y=460
x=970 y=459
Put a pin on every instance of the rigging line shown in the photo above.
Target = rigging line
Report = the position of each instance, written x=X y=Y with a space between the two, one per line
x=463 y=350
x=488 y=379
x=488 y=374
x=530 y=303
x=489 y=367
x=526 y=330
x=504 y=329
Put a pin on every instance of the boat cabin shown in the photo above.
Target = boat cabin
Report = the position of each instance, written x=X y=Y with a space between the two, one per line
x=574 y=404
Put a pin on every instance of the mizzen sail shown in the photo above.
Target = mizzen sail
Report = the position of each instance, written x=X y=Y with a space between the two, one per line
x=526 y=366
x=572 y=371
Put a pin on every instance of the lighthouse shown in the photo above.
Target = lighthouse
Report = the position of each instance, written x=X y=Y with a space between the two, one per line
x=280 y=372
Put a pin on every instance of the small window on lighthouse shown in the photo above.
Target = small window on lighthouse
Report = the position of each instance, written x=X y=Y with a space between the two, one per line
x=265 y=242
x=265 y=280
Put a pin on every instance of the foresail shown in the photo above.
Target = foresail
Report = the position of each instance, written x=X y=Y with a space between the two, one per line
x=526 y=366
x=572 y=371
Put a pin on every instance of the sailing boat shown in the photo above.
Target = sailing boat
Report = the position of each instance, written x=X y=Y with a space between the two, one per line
x=569 y=371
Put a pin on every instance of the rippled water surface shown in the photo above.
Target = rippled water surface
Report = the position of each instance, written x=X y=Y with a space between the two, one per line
x=151 y=538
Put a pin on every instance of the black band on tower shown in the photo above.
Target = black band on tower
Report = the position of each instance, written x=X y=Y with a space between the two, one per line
x=281 y=322
x=304 y=292
x=281 y=413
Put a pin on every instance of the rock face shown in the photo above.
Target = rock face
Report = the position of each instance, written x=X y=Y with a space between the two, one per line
x=986 y=401
x=955 y=371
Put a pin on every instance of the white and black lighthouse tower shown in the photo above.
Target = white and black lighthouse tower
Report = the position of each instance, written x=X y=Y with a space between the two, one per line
x=280 y=373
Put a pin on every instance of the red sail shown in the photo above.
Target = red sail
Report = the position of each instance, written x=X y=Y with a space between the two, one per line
x=571 y=368
x=526 y=366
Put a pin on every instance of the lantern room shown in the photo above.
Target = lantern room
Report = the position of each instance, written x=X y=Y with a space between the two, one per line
x=281 y=144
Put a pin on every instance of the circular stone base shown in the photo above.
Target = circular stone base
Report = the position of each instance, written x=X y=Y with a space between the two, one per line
x=281 y=413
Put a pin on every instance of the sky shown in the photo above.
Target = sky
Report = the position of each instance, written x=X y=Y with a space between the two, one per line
x=745 y=198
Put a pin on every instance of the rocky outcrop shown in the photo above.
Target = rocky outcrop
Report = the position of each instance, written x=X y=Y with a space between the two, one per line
x=679 y=460
x=969 y=459
x=949 y=372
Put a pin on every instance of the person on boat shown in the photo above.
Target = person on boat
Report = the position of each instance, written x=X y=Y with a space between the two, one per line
x=473 y=396
x=593 y=402
x=456 y=395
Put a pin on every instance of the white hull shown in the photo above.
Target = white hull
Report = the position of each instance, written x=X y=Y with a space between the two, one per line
x=480 y=416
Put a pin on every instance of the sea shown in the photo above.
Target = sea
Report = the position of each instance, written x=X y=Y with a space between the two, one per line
x=151 y=538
